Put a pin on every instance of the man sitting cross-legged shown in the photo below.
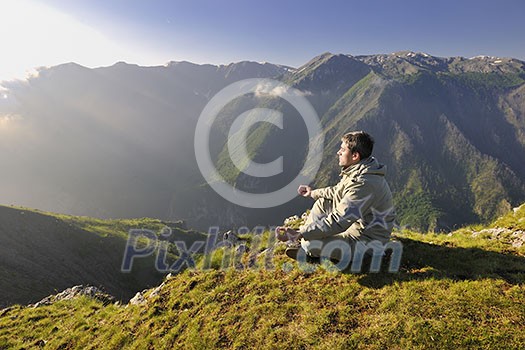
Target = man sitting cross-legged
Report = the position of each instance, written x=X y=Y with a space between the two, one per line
x=357 y=209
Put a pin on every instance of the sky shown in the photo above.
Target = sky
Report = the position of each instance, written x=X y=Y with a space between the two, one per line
x=93 y=33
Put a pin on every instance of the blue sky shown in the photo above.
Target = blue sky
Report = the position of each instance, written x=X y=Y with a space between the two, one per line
x=153 y=32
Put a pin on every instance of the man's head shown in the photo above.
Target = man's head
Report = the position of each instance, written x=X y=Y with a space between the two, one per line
x=355 y=145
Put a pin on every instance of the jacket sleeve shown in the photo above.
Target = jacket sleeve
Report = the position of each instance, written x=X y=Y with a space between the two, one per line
x=326 y=192
x=355 y=202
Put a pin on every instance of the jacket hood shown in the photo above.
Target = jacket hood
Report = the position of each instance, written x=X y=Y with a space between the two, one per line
x=368 y=166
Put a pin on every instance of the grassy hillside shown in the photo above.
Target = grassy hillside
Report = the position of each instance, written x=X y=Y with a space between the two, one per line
x=460 y=290
x=42 y=253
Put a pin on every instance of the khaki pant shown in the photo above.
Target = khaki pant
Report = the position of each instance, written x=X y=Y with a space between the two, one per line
x=339 y=246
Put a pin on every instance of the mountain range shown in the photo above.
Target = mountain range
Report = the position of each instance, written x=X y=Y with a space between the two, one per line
x=118 y=141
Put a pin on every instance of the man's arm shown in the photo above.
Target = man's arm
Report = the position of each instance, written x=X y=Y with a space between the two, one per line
x=307 y=191
x=350 y=209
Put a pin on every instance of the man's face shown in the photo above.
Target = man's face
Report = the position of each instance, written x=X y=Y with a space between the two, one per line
x=346 y=158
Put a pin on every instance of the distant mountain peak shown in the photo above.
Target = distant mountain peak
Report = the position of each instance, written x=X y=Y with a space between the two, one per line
x=485 y=57
x=124 y=64
x=327 y=59
x=411 y=54
x=184 y=63
x=402 y=63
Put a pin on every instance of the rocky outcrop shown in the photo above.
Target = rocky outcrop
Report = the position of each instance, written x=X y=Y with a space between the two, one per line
x=515 y=238
x=74 y=292
x=230 y=240
x=142 y=298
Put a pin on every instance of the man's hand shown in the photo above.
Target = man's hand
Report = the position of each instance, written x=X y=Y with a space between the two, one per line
x=285 y=234
x=304 y=190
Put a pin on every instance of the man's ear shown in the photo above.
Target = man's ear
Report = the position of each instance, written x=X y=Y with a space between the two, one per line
x=356 y=156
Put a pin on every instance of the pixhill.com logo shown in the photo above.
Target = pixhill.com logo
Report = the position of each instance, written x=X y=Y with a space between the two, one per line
x=143 y=243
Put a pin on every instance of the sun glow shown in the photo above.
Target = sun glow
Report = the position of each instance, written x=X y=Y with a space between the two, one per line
x=7 y=122
x=34 y=35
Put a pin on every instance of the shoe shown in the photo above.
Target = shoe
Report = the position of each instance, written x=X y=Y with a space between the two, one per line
x=335 y=261
x=293 y=244
x=292 y=253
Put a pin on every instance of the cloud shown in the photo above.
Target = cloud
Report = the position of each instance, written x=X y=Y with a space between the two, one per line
x=268 y=88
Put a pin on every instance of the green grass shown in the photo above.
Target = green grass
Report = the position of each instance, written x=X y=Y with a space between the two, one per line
x=512 y=220
x=453 y=291
x=490 y=80
x=103 y=227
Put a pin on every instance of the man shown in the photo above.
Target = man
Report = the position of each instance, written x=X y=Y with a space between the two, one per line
x=358 y=209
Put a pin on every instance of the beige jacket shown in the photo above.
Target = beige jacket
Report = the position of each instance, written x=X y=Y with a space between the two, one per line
x=362 y=205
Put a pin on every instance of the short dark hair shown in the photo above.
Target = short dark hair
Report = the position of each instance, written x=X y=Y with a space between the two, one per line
x=360 y=142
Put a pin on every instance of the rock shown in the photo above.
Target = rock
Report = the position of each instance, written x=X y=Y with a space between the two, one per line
x=138 y=299
x=76 y=291
x=176 y=225
x=493 y=232
x=5 y=311
x=291 y=220
x=142 y=298
x=155 y=292
x=518 y=238
x=514 y=238
x=231 y=239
